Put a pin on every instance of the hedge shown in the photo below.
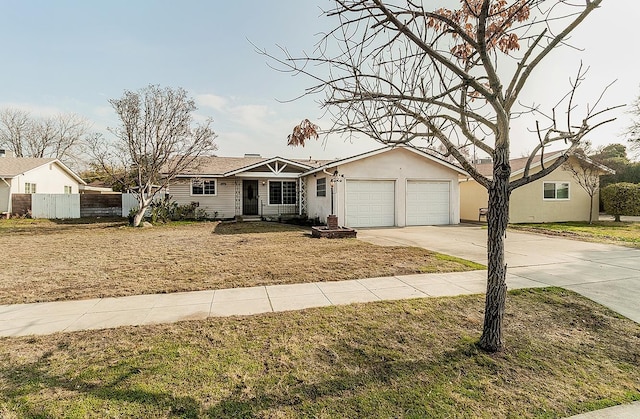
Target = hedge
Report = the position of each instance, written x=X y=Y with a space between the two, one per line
x=621 y=199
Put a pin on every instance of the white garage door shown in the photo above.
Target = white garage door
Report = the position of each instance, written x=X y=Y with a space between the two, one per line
x=427 y=203
x=370 y=203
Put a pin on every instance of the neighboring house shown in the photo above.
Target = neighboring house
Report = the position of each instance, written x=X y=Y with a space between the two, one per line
x=96 y=187
x=391 y=186
x=555 y=198
x=25 y=175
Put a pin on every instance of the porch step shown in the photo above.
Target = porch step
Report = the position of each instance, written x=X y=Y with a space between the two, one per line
x=251 y=218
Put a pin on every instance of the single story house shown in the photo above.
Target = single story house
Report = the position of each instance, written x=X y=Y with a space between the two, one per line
x=556 y=197
x=390 y=186
x=26 y=175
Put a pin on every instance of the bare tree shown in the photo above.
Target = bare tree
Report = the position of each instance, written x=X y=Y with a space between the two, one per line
x=59 y=137
x=633 y=131
x=156 y=140
x=400 y=73
x=586 y=173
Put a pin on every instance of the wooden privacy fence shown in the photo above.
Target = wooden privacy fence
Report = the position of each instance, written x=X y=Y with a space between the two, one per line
x=101 y=205
x=55 y=206
x=72 y=205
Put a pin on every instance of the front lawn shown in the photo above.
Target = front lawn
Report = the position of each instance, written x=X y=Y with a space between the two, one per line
x=413 y=358
x=47 y=260
x=623 y=233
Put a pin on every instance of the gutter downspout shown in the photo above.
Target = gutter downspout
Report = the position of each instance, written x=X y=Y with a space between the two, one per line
x=9 y=200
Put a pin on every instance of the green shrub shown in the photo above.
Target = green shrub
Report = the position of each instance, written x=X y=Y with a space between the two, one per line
x=621 y=199
x=189 y=212
x=162 y=209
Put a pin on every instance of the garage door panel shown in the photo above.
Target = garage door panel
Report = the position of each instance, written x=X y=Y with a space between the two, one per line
x=428 y=203
x=370 y=203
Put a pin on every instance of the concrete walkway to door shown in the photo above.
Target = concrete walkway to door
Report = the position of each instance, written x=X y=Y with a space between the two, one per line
x=607 y=274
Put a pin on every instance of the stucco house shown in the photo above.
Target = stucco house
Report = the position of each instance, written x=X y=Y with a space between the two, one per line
x=556 y=197
x=390 y=186
x=249 y=186
x=26 y=175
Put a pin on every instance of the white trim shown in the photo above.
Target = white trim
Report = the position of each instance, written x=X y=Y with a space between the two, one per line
x=215 y=187
x=265 y=175
x=267 y=163
x=557 y=182
x=384 y=150
x=325 y=187
x=281 y=191
x=556 y=156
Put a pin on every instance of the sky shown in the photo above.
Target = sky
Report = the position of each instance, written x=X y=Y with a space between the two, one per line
x=73 y=56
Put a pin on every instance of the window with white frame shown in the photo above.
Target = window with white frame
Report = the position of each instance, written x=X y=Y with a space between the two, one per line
x=29 y=188
x=282 y=192
x=556 y=190
x=203 y=187
x=68 y=190
x=321 y=187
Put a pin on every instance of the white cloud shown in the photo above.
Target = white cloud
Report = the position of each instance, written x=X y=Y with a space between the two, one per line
x=34 y=110
x=215 y=102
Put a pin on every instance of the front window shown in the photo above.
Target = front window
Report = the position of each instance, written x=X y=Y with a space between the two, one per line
x=282 y=193
x=29 y=188
x=203 y=187
x=556 y=190
x=67 y=190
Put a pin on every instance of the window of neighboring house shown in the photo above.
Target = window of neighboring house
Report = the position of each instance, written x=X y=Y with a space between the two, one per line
x=282 y=192
x=321 y=187
x=29 y=188
x=67 y=190
x=556 y=190
x=203 y=187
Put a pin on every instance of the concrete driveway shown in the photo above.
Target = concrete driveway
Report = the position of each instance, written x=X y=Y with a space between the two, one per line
x=607 y=274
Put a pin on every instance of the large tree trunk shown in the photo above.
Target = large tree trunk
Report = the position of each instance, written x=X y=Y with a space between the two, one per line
x=591 y=209
x=497 y=220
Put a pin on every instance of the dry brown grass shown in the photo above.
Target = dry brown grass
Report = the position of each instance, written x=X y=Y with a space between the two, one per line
x=416 y=358
x=48 y=261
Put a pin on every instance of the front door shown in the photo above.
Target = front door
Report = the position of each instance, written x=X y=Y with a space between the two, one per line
x=249 y=197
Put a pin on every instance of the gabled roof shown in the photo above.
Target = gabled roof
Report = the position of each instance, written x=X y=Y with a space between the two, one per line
x=385 y=150
x=214 y=166
x=303 y=166
x=14 y=166
x=11 y=167
x=518 y=165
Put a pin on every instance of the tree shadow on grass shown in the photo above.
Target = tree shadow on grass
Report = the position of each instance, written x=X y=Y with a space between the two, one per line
x=366 y=386
x=30 y=379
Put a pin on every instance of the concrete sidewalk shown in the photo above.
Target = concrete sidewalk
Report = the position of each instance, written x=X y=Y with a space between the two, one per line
x=101 y=313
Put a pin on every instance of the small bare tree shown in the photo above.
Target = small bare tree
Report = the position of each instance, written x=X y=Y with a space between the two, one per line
x=60 y=136
x=401 y=73
x=586 y=173
x=156 y=140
